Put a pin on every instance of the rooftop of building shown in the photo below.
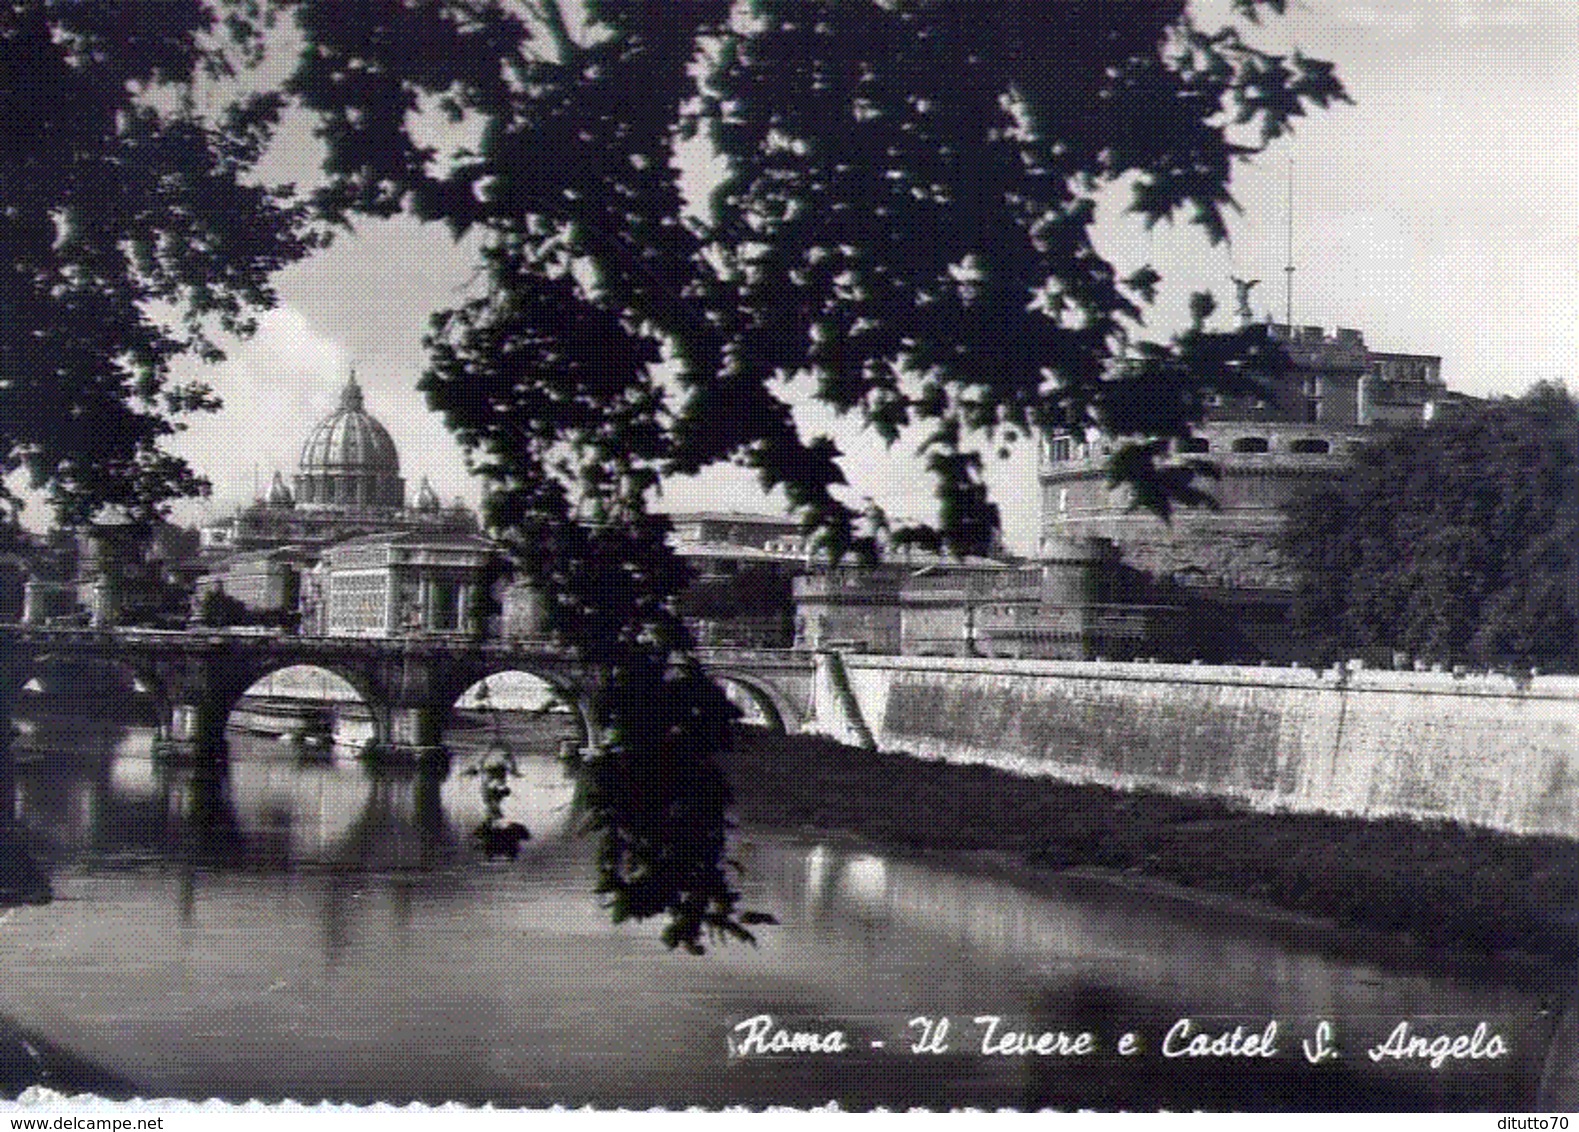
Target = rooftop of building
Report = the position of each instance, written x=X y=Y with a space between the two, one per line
x=678 y=517
x=713 y=548
x=415 y=538
x=290 y=553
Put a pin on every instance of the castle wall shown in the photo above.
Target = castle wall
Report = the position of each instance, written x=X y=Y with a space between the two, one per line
x=1208 y=548
x=1484 y=750
x=1235 y=544
x=1301 y=429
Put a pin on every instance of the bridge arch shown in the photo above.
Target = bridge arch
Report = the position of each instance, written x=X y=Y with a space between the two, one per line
x=561 y=687
x=778 y=710
x=248 y=676
x=22 y=670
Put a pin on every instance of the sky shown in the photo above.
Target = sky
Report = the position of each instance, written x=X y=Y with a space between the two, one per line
x=1438 y=214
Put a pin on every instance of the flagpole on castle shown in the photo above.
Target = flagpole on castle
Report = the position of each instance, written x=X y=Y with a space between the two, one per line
x=1288 y=268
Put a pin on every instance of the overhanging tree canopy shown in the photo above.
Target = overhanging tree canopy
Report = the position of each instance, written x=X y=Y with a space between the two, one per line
x=903 y=219
x=123 y=201
x=903 y=216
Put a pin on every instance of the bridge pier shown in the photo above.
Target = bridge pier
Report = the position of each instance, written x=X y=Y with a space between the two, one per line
x=196 y=731
x=415 y=733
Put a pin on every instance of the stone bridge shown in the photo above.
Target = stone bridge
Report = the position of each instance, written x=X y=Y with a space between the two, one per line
x=409 y=685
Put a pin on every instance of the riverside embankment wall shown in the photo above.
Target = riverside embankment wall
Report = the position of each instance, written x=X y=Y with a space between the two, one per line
x=1482 y=749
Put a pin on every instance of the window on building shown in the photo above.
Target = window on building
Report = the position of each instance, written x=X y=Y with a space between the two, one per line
x=1251 y=444
x=445 y=612
x=1195 y=444
x=1309 y=446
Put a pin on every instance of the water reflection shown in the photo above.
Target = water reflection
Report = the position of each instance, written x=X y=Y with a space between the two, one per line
x=272 y=926
x=96 y=791
x=1082 y=955
x=1187 y=958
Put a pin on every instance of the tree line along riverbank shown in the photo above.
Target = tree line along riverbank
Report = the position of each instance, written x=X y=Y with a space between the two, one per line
x=1434 y=889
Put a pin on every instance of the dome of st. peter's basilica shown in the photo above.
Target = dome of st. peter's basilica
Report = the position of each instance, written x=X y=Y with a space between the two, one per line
x=349 y=460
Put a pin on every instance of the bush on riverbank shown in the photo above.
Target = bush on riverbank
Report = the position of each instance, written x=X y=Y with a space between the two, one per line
x=1448 y=887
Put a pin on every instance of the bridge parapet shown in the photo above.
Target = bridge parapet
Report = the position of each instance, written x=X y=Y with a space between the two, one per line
x=775 y=659
x=409 y=684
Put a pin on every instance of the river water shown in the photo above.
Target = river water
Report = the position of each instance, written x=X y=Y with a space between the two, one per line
x=299 y=926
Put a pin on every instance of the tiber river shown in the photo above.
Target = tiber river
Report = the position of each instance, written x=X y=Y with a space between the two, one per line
x=300 y=927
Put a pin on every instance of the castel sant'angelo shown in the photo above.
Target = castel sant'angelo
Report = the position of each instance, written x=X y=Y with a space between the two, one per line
x=1336 y=394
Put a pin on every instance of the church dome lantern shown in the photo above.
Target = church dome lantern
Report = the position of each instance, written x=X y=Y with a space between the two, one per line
x=349 y=460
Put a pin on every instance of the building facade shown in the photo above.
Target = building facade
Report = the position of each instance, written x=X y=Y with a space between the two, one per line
x=1078 y=603
x=776 y=534
x=263 y=581
x=401 y=584
x=331 y=553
